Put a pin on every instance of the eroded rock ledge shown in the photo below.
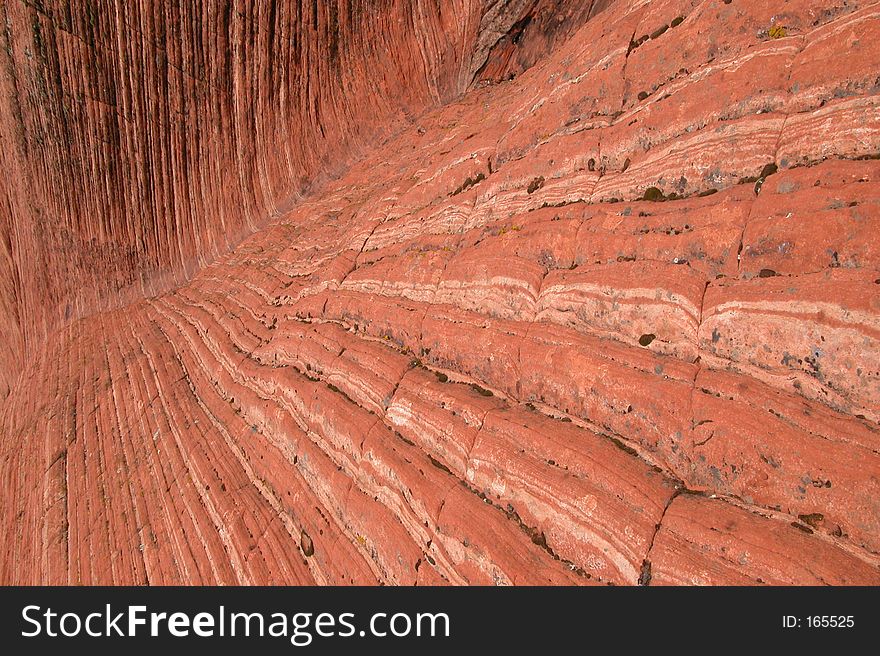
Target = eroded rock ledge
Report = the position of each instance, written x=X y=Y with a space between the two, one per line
x=613 y=321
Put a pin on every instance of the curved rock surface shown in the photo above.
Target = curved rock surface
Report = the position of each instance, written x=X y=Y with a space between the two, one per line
x=612 y=316
x=147 y=138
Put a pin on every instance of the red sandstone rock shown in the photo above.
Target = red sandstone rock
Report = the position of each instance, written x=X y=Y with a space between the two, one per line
x=643 y=303
x=810 y=219
x=824 y=334
x=709 y=542
x=780 y=451
x=532 y=301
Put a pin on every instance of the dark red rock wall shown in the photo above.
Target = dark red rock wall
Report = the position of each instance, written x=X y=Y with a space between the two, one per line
x=142 y=139
x=616 y=320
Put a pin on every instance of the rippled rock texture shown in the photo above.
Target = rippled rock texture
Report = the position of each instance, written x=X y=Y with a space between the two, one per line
x=603 y=306
x=147 y=137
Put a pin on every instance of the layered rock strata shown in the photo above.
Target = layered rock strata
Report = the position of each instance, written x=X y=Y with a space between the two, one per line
x=613 y=321
x=143 y=139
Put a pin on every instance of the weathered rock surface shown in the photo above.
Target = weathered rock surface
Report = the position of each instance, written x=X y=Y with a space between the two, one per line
x=615 y=320
x=147 y=138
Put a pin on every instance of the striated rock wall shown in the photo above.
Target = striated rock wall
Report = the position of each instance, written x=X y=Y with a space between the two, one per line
x=142 y=139
x=613 y=321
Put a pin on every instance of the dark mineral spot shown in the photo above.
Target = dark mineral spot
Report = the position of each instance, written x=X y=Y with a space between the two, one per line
x=813 y=519
x=480 y=390
x=306 y=544
x=439 y=465
x=469 y=182
x=653 y=194
x=768 y=170
x=539 y=538
x=659 y=31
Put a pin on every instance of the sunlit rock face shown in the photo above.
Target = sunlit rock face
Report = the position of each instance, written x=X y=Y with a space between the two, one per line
x=463 y=292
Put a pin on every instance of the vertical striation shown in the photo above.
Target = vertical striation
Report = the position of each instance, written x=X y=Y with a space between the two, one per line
x=143 y=139
x=604 y=315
